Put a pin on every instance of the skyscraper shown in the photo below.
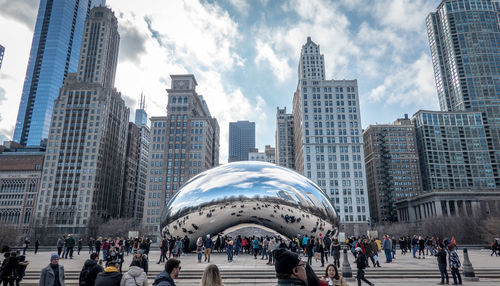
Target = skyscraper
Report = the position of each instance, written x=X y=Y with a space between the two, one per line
x=241 y=140
x=184 y=144
x=55 y=50
x=464 y=38
x=392 y=166
x=85 y=157
x=328 y=139
x=284 y=139
x=2 y=52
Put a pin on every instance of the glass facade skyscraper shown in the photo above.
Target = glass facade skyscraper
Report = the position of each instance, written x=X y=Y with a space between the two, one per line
x=54 y=53
x=464 y=37
x=241 y=140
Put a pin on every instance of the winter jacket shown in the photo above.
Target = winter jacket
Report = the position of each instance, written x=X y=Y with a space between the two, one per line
x=144 y=262
x=164 y=279
x=60 y=242
x=47 y=276
x=387 y=245
x=94 y=269
x=441 y=256
x=135 y=276
x=110 y=277
x=291 y=282
x=454 y=259
x=21 y=269
x=361 y=261
x=70 y=242
x=209 y=243
x=9 y=268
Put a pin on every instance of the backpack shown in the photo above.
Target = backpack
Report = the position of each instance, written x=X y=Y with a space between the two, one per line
x=83 y=276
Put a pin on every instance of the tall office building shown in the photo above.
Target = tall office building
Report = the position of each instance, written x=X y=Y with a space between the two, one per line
x=85 y=158
x=184 y=144
x=241 y=140
x=131 y=172
x=2 y=52
x=392 y=167
x=284 y=139
x=142 y=121
x=327 y=137
x=55 y=50
x=453 y=151
x=464 y=39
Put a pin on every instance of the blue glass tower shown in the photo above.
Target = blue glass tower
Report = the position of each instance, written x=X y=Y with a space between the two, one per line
x=54 y=53
x=464 y=37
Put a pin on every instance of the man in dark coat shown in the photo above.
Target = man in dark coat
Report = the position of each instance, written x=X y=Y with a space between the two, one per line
x=110 y=276
x=166 y=277
x=290 y=270
x=90 y=270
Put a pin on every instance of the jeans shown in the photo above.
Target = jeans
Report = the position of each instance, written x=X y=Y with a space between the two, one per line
x=264 y=253
x=104 y=254
x=59 y=250
x=414 y=249
x=388 y=257
x=199 y=256
x=69 y=251
x=456 y=273
x=229 y=254
x=444 y=273
x=361 y=276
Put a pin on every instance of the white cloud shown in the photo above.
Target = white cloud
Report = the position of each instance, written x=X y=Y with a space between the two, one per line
x=409 y=85
x=279 y=65
x=241 y=6
x=408 y=15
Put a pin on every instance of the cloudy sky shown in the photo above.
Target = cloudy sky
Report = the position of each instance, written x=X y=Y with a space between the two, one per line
x=244 y=54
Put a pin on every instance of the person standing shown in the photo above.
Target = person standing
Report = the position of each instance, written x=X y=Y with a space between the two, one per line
x=229 y=250
x=143 y=259
x=60 y=245
x=361 y=262
x=455 y=264
x=135 y=276
x=163 y=250
x=441 y=258
x=70 y=244
x=89 y=271
x=167 y=276
x=80 y=245
x=387 y=249
x=53 y=274
x=9 y=269
x=21 y=269
x=199 y=248
x=98 y=246
x=37 y=245
x=110 y=276
x=336 y=252
x=208 y=247
x=255 y=247
x=105 y=248
x=265 y=248
x=26 y=245
x=91 y=245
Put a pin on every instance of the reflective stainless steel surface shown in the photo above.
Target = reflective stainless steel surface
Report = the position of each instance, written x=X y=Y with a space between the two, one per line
x=249 y=192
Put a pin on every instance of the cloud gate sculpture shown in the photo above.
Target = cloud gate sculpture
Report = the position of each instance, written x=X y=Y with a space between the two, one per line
x=258 y=193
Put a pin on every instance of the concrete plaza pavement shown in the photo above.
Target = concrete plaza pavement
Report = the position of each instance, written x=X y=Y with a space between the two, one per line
x=481 y=260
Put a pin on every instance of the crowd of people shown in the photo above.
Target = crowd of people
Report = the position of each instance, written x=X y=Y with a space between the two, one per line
x=104 y=266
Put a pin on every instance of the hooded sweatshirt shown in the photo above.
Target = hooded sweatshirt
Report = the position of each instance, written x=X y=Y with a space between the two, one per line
x=134 y=277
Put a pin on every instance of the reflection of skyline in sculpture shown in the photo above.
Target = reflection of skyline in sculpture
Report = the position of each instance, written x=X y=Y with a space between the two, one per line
x=249 y=192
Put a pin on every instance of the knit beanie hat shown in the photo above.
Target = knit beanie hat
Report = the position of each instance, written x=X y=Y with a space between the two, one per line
x=53 y=256
x=285 y=261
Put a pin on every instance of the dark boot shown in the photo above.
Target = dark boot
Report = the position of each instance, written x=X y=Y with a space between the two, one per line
x=378 y=264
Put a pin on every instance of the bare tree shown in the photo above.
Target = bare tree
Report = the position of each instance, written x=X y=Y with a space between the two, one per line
x=8 y=235
x=115 y=227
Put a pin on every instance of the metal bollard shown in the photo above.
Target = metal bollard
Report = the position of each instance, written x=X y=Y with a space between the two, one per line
x=346 y=267
x=468 y=270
